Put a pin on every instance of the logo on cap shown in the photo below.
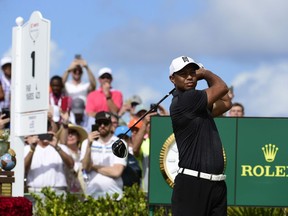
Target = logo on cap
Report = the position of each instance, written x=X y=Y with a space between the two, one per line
x=185 y=59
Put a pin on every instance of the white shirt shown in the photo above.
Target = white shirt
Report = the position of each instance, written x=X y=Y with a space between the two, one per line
x=102 y=154
x=47 y=167
x=77 y=91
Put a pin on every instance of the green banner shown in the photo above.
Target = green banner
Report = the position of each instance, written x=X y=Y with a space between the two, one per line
x=256 y=151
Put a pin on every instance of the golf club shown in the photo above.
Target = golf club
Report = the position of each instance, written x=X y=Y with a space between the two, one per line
x=119 y=148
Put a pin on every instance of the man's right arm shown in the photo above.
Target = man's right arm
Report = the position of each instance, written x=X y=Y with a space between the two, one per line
x=217 y=87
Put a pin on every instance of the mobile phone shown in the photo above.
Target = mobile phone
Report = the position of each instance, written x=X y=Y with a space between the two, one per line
x=46 y=136
x=77 y=56
x=95 y=127
x=6 y=112
x=153 y=107
x=64 y=104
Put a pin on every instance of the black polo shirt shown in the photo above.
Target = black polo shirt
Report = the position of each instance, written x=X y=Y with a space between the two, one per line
x=196 y=134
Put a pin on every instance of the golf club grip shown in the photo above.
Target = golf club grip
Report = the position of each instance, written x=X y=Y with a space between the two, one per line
x=143 y=116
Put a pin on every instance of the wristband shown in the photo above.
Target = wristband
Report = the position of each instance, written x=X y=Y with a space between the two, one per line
x=58 y=148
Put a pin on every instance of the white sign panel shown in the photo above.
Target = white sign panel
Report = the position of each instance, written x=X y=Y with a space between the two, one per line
x=35 y=123
x=30 y=75
x=32 y=79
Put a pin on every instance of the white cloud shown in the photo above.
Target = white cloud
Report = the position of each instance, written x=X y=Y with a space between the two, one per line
x=263 y=91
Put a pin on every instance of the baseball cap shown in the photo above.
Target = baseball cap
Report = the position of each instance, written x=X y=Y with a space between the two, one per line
x=180 y=62
x=133 y=121
x=122 y=130
x=6 y=60
x=140 y=107
x=136 y=99
x=78 y=106
x=103 y=116
x=104 y=70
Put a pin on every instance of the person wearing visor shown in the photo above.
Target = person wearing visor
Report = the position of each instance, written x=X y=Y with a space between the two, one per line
x=75 y=87
x=103 y=168
x=5 y=82
x=199 y=187
x=105 y=98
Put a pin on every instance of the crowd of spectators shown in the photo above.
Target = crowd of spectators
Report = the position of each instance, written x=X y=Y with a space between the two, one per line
x=84 y=119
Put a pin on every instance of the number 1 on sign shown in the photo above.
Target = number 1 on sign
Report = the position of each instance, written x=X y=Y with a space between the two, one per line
x=33 y=63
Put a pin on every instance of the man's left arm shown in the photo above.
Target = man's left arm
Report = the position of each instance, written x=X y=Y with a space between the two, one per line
x=67 y=159
x=114 y=171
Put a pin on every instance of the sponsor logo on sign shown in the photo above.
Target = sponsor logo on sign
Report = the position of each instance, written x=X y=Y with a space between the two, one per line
x=34 y=31
x=269 y=152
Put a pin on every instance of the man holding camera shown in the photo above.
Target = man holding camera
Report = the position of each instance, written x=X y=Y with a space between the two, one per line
x=103 y=168
x=76 y=88
x=45 y=161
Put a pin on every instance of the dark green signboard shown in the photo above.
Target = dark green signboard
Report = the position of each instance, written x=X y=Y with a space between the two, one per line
x=256 y=152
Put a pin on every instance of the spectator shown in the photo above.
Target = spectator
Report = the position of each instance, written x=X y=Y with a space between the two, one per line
x=237 y=110
x=132 y=173
x=76 y=88
x=126 y=112
x=74 y=135
x=114 y=121
x=120 y=131
x=3 y=121
x=78 y=115
x=56 y=96
x=103 y=167
x=140 y=110
x=105 y=98
x=45 y=163
x=5 y=82
x=141 y=146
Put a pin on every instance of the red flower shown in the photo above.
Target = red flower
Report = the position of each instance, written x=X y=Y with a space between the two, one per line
x=15 y=206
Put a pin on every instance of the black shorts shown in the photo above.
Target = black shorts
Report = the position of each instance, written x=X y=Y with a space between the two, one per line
x=200 y=197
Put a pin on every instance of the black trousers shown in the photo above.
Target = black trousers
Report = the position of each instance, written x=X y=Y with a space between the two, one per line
x=193 y=196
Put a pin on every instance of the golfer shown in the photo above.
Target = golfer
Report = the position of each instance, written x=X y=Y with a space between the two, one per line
x=199 y=187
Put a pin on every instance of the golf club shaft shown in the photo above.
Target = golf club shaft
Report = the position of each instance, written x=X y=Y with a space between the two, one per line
x=143 y=116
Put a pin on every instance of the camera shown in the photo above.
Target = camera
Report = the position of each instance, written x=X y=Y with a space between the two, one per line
x=6 y=112
x=95 y=127
x=153 y=107
x=46 y=136
x=78 y=56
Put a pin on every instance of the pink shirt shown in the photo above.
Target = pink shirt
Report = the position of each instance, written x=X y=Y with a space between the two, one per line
x=96 y=100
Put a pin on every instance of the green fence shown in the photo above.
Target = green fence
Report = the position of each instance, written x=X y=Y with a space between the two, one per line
x=256 y=152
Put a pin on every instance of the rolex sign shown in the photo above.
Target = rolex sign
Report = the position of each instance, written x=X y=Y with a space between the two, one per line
x=256 y=151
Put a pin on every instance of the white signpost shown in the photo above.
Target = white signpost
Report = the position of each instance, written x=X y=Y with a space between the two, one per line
x=30 y=86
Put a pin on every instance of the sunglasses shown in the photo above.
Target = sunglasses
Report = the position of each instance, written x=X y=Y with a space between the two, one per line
x=106 y=76
x=77 y=71
x=105 y=123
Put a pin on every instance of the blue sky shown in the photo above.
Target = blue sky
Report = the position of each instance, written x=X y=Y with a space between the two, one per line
x=242 y=41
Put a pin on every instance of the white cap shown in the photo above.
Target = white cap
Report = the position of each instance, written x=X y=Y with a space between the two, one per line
x=180 y=62
x=104 y=70
x=140 y=107
x=6 y=60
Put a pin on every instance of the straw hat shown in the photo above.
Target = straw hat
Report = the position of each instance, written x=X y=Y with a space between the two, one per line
x=81 y=131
